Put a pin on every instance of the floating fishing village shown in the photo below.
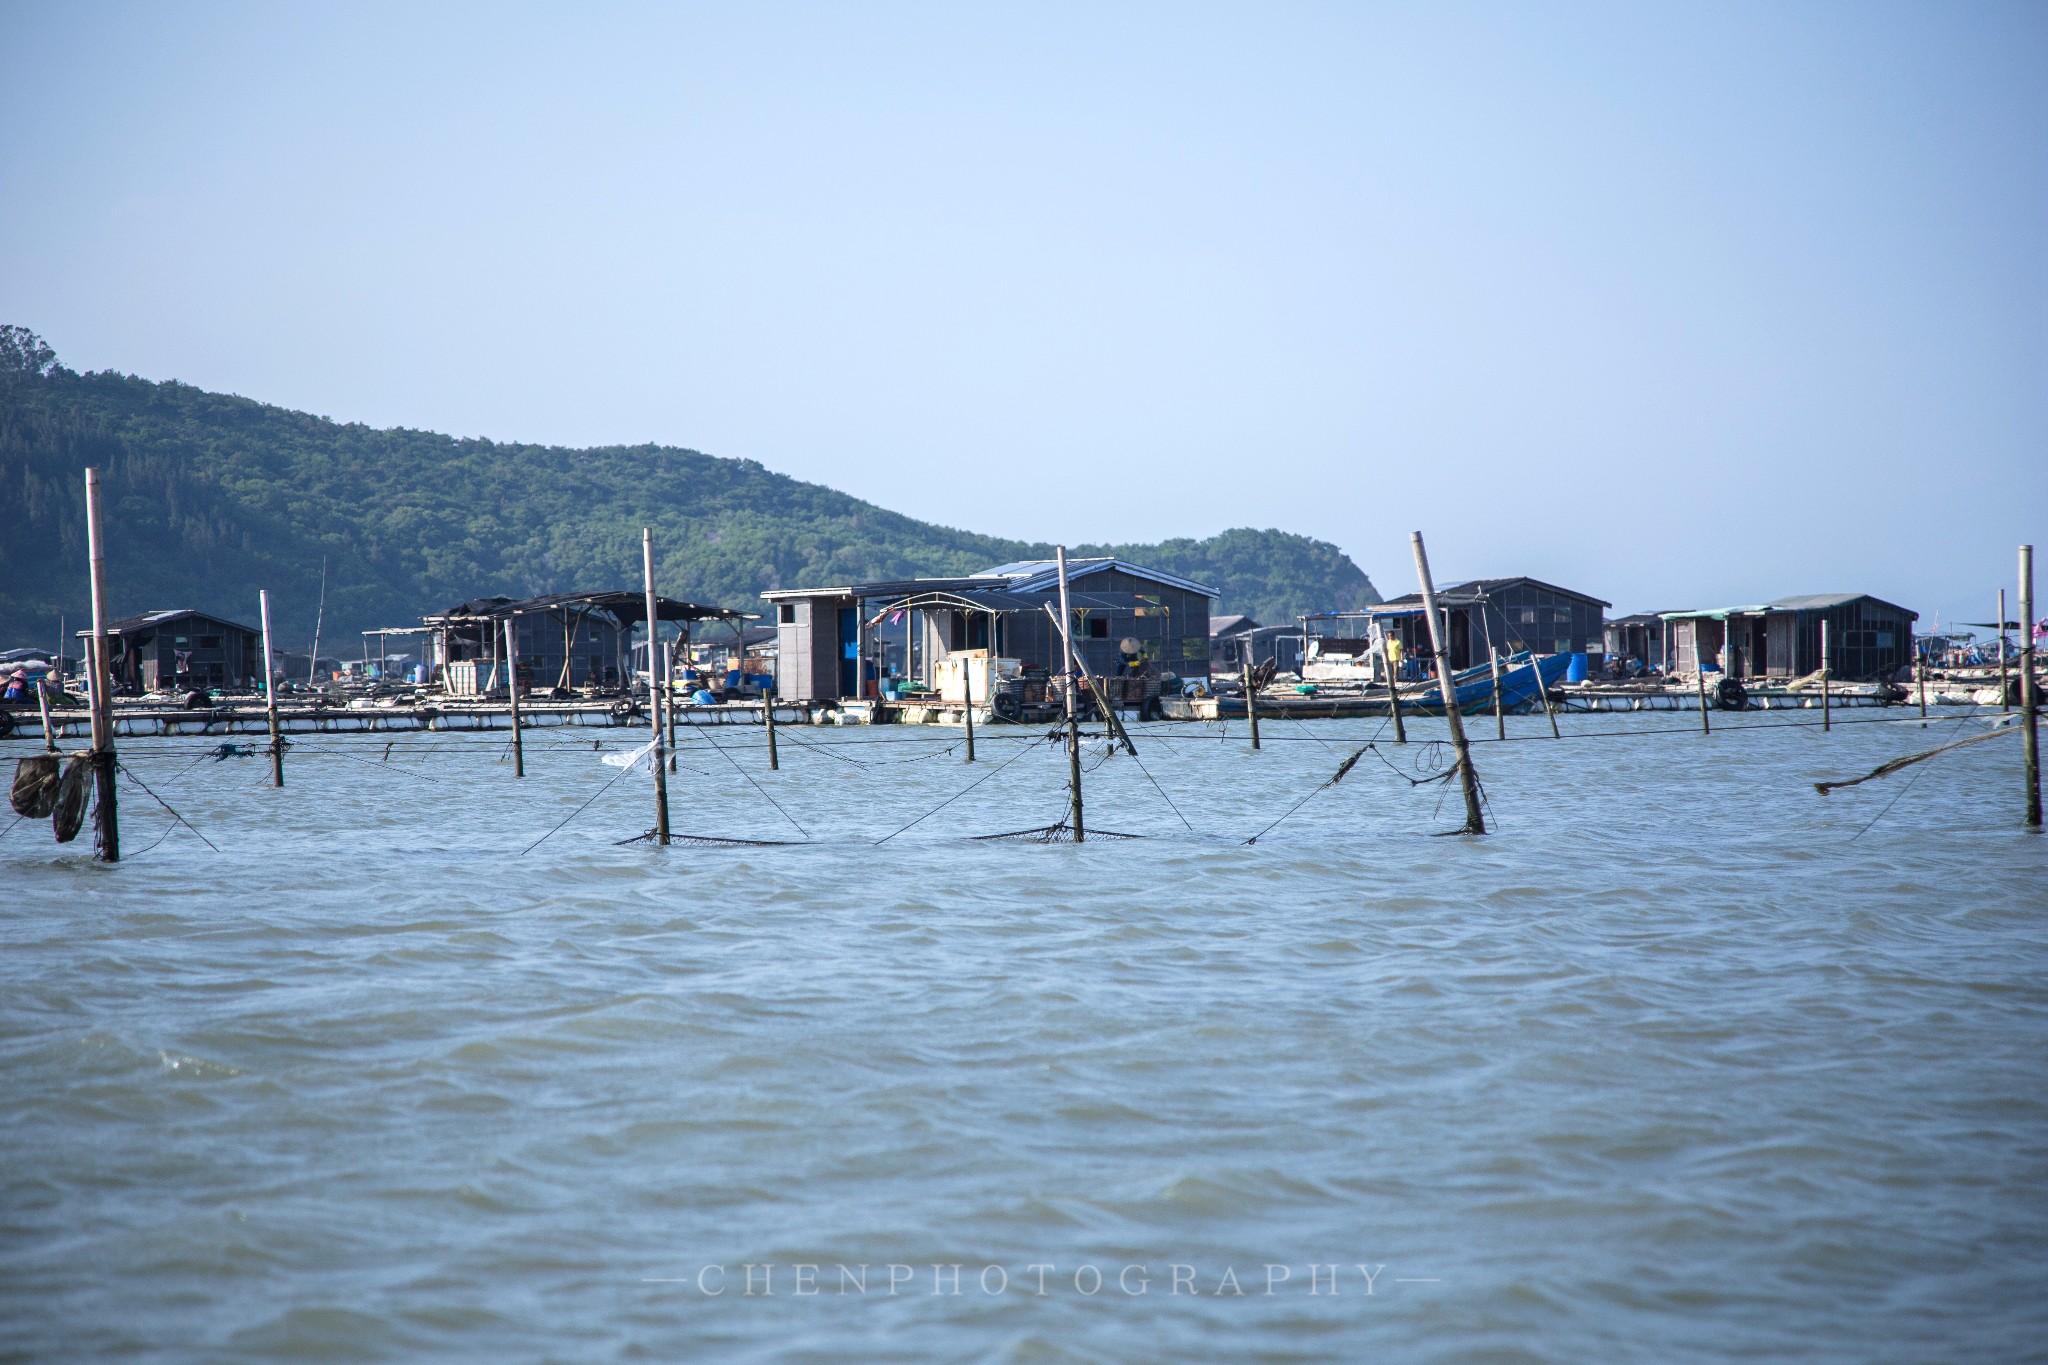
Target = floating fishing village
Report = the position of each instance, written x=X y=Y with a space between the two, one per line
x=828 y=684
x=1066 y=642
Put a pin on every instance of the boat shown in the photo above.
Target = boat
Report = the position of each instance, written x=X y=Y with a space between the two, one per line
x=1521 y=674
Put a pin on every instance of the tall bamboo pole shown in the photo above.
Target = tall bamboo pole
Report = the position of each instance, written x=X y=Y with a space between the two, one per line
x=653 y=670
x=967 y=700
x=270 y=696
x=1073 y=721
x=512 y=691
x=1920 y=673
x=1251 y=691
x=108 y=844
x=2029 y=693
x=1393 y=684
x=1543 y=694
x=1827 y=713
x=2004 y=687
x=668 y=690
x=1475 y=820
x=1500 y=708
x=43 y=705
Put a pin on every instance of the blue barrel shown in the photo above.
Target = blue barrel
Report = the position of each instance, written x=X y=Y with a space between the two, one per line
x=1575 y=671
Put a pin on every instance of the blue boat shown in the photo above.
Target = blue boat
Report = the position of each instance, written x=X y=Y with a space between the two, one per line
x=1521 y=674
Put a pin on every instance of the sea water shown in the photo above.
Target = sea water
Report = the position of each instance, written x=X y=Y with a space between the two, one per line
x=1682 y=1061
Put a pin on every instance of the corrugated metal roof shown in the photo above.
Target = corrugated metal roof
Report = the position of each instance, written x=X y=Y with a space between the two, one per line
x=156 y=618
x=1818 y=601
x=1472 y=590
x=1037 y=575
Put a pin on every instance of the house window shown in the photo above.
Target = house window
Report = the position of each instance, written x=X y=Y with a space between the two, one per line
x=1884 y=639
x=1098 y=627
x=785 y=613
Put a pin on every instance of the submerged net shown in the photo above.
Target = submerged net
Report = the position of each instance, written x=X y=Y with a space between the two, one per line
x=1061 y=833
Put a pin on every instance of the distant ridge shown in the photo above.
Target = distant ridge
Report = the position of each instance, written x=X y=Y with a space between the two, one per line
x=210 y=497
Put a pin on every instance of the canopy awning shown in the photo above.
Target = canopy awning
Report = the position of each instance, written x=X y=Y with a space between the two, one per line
x=627 y=608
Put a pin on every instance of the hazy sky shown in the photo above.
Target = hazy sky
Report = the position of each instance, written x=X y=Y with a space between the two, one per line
x=1678 y=304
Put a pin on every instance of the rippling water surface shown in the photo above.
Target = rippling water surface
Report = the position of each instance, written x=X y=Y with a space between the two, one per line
x=1683 y=1062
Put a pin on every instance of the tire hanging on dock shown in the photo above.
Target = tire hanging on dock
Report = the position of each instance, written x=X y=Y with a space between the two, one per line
x=1731 y=695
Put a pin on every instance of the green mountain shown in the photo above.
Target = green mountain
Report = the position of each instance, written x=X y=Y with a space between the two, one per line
x=208 y=497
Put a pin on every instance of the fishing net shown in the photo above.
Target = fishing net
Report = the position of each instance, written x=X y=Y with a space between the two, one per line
x=1061 y=833
x=34 y=794
x=74 y=789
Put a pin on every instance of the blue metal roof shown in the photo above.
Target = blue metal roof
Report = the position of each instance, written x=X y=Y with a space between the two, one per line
x=1039 y=575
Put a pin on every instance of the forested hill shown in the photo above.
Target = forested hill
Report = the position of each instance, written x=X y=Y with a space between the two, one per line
x=208 y=497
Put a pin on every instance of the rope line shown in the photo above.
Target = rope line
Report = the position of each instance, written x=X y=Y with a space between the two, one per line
x=955 y=796
x=756 y=785
x=167 y=806
x=574 y=813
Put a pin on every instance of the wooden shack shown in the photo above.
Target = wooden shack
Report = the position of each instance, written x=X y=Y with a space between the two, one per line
x=835 y=643
x=567 y=640
x=1507 y=614
x=1639 y=637
x=1869 y=639
x=179 y=650
x=1238 y=640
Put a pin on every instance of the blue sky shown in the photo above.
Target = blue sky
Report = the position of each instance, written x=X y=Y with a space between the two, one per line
x=1678 y=304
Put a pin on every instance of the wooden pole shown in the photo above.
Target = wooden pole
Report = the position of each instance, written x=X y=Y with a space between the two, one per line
x=967 y=703
x=1544 y=693
x=1827 y=715
x=1475 y=819
x=43 y=705
x=768 y=717
x=1393 y=684
x=319 y=617
x=653 y=668
x=1699 y=673
x=2029 y=693
x=270 y=696
x=512 y=691
x=108 y=844
x=2004 y=687
x=1500 y=712
x=1251 y=691
x=1073 y=722
x=668 y=696
x=1920 y=671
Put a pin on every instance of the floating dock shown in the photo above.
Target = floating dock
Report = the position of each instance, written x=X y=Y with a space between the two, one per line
x=250 y=719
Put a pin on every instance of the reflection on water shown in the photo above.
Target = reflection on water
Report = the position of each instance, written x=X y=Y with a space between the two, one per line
x=1680 y=1062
